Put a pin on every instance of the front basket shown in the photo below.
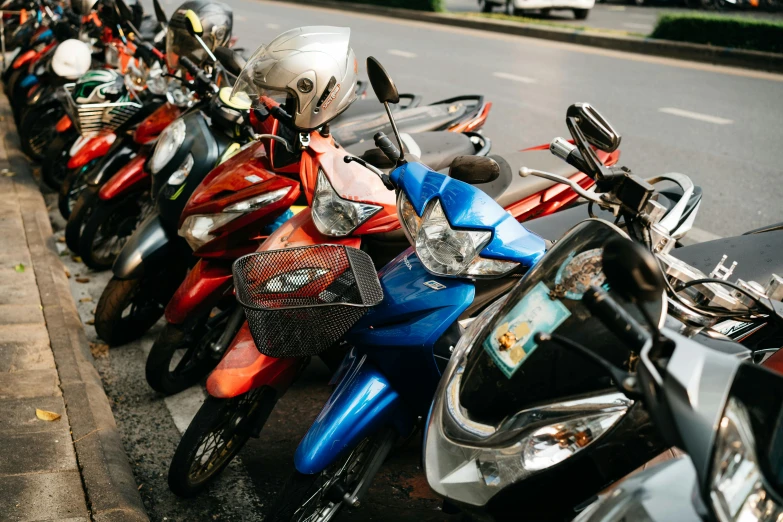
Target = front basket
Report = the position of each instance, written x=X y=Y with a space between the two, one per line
x=300 y=301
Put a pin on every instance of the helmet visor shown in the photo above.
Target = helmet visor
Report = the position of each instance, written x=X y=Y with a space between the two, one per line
x=248 y=92
x=180 y=43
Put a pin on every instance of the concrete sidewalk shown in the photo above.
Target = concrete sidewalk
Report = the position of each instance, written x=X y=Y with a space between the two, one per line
x=74 y=468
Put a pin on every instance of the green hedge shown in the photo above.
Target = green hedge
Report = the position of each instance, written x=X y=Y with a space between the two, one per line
x=418 y=5
x=721 y=31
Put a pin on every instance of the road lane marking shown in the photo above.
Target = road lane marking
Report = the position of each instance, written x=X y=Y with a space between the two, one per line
x=513 y=77
x=273 y=26
x=695 y=116
x=184 y=406
x=645 y=27
x=404 y=54
x=615 y=8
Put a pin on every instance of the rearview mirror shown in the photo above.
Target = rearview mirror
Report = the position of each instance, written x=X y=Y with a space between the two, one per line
x=632 y=270
x=381 y=82
x=474 y=169
x=596 y=129
x=160 y=14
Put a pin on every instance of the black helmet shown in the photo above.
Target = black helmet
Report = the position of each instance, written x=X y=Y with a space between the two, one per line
x=217 y=22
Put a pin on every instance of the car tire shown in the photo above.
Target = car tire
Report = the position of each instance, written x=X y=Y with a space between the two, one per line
x=581 y=14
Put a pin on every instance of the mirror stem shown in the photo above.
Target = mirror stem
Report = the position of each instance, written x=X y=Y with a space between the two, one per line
x=396 y=132
x=207 y=49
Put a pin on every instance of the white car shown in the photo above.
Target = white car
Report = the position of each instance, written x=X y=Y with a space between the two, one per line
x=581 y=8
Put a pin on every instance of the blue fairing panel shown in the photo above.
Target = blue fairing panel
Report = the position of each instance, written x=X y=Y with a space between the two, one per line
x=362 y=403
x=469 y=207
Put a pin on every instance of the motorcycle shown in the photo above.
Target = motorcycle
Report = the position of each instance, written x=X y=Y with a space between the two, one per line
x=512 y=417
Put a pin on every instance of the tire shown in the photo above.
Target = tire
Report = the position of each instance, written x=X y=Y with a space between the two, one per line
x=195 y=338
x=110 y=226
x=54 y=167
x=545 y=13
x=230 y=422
x=72 y=187
x=581 y=14
x=36 y=128
x=13 y=78
x=304 y=495
x=143 y=299
x=80 y=213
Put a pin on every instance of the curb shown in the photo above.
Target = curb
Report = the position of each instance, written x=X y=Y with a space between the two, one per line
x=107 y=477
x=756 y=60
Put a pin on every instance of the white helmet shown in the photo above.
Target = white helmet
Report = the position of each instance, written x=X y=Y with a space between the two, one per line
x=71 y=59
x=310 y=71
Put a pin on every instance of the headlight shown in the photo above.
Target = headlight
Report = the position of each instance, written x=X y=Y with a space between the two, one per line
x=291 y=281
x=197 y=229
x=335 y=216
x=181 y=174
x=168 y=142
x=737 y=490
x=446 y=251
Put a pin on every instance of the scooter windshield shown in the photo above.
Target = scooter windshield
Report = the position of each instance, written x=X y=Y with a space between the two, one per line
x=506 y=371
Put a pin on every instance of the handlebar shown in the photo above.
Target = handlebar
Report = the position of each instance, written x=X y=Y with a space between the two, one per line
x=616 y=318
x=570 y=154
x=147 y=53
x=372 y=168
x=387 y=147
x=201 y=77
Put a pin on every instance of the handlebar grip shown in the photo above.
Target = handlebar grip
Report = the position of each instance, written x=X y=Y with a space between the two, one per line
x=387 y=147
x=188 y=65
x=201 y=77
x=615 y=317
x=145 y=52
x=280 y=114
x=570 y=154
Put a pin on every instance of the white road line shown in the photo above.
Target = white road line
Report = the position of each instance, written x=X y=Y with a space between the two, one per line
x=184 y=405
x=404 y=54
x=695 y=116
x=615 y=8
x=645 y=27
x=273 y=26
x=513 y=77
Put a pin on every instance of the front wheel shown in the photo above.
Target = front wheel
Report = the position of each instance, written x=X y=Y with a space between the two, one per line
x=37 y=129
x=73 y=185
x=79 y=215
x=217 y=433
x=320 y=496
x=129 y=307
x=182 y=354
x=110 y=226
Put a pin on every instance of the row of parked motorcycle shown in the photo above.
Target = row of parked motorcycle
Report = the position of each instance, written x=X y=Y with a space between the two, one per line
x=274 y=209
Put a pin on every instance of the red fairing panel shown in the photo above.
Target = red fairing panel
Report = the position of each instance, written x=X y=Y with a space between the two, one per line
x=132 y=176
x=97 y=147
x=203 y=288
x=149 y=129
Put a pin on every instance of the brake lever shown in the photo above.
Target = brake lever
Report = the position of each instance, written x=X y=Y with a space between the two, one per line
x=274 y=137
x=372 y=168
x=590 y=196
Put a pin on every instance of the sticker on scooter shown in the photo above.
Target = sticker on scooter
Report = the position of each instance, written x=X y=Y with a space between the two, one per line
x=511 y=342
x=434 y=285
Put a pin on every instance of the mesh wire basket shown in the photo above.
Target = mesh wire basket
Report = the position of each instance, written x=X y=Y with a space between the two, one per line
x=92 y=119
x=300 y=301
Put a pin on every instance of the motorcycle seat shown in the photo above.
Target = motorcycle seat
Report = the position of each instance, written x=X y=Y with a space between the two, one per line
x=510 y=187
x=435 y=149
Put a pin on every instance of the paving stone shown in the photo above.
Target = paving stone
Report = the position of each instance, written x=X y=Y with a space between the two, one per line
x=42 y=496
x=29 y=383
x=18 y=415
x=30 y=355
x=38 y=451
x=21 y=314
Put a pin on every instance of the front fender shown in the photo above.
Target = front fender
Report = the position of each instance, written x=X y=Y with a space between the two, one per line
x=203 y=288
x=148 y=244
x=362 y=403
x=121 y=152
x=131 y=177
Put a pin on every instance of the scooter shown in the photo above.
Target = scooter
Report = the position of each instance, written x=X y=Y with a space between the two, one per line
x=523 y=415
x=246 y=384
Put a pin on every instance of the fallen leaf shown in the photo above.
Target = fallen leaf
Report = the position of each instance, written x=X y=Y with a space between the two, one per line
x=64 y=253
x=85 y=299
x=99 y=350
x=140 y=486
x=7 y=173
x=61 y=239
x=89 y=321
x=19 y=268
x=48 y=416
x=76 y=259
x=67 y=273
x=82 y=279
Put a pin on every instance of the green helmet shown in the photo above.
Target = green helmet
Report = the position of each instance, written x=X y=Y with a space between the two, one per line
x=100 y=86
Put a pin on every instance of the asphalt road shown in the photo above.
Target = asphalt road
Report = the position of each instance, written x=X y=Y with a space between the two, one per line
x=617 y=15
x=721 y=126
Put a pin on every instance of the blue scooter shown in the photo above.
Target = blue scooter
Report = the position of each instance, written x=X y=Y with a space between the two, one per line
x=467 y=251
